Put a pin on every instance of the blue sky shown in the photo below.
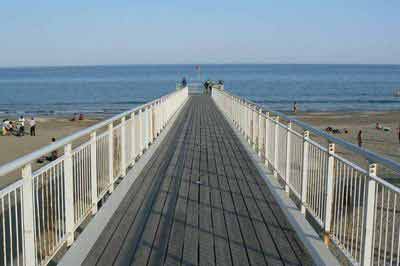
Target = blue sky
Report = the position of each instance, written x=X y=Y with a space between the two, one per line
x=131 y=32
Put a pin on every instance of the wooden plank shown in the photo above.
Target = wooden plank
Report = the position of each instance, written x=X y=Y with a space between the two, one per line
x=199 y=201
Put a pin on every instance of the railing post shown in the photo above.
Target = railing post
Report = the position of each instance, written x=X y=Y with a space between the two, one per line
x=93 y=171
x=111 y=157
x=288 y=156
x=140 y=126
x=305 y=172
x=276 y=145
x=157 y=118
x=133 y=144
x=123 y=144
x=250 y=125
x=69 y=195
x=164 y=108
x=146 y=127
x=370 y=217
x=242 y=116
x=259 y=142
x=151 y=132
x=267 y=122
x=232 y=108
x=329 y=192
x=28 y=216
x=255 y=128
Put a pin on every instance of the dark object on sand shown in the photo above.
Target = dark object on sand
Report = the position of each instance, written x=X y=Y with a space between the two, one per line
x=336 y=130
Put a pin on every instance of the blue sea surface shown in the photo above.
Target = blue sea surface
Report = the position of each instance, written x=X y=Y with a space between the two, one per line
x=106 y=90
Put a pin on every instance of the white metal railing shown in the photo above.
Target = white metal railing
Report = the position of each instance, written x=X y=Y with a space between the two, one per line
x=40 y=212
x=356 y=210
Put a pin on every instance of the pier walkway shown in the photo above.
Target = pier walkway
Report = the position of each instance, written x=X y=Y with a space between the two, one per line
x=201 y=180
x=198 y=201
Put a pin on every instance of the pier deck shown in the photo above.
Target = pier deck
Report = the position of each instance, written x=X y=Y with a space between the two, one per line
x=198 y=201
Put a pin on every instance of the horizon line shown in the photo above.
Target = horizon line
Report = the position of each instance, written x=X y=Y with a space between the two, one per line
x=193 y=64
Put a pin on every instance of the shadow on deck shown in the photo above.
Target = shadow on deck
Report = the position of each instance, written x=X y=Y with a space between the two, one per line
x=198 y=201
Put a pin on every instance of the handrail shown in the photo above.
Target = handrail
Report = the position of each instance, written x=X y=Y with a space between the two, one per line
x=371 y=156
x=18 y=163
x=343 y=198
x=49 y=204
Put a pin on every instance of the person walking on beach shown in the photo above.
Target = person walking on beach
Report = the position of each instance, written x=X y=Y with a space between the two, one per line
x=21 y=122
x=359 y=138
x=32 y=125
x=398 y=133
x=294 y=107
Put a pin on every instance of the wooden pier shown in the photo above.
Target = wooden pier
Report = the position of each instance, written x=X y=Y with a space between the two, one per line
x=199 y=201
x=192 y=179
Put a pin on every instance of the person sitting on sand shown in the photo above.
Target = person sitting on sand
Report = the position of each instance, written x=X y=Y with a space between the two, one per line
x=52 y=157
x=4 y=128
x=10 y=127
x=54 y=154
x=378 y=126
x=359 y=138
x=74 y=117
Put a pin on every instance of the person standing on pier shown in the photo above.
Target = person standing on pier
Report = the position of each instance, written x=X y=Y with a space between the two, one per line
x=359 y=138
x=184 y=82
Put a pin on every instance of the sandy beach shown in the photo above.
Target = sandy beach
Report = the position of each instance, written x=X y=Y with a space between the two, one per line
x=13 y=147
x=385 y=143
x=379 y=141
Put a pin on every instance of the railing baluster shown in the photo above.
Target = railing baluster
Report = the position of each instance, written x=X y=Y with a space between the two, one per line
x=93 y=171
x=28 y=216
x=69 y=194
x=259 y=132
x=370 y=217
x=288 y=156
x=276 y=145
x=267 y=122
x=133 y=144
x=140 y=126
x=123 y=143
x=305 y=172
x=254 y=127
x=151 y=139
x=329 y=192
x=111 y=157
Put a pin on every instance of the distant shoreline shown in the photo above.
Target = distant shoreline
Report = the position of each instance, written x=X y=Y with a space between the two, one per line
x=194 y=64
x=107 y=115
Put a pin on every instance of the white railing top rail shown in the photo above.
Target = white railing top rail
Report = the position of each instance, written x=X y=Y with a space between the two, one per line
x=367 y=154
x=20 y=162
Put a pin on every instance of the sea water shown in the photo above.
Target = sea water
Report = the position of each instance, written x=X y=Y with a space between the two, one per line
x=107 y=90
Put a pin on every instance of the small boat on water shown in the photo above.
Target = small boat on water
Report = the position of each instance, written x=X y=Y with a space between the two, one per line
x=396 y=93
